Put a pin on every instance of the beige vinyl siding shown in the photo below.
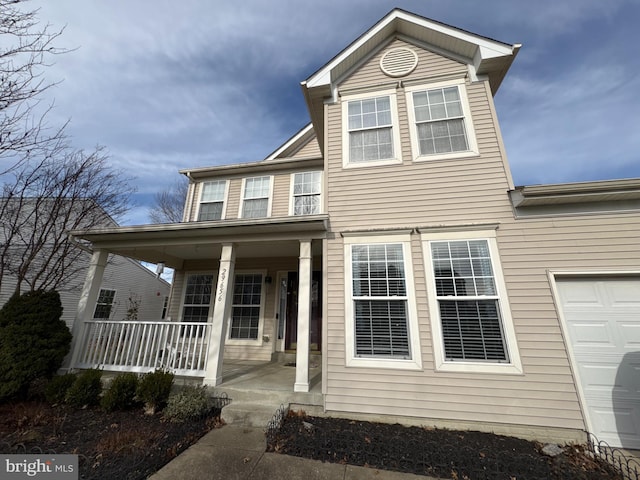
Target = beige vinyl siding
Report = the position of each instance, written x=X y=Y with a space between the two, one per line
x=422 y=194
x=545 y=395
x=280 y=196
x=262 y=350
x=310 y=150
x=429 y=65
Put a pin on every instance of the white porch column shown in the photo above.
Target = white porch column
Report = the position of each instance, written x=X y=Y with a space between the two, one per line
x=87 y=303
x=221 y=311
x=304 y=318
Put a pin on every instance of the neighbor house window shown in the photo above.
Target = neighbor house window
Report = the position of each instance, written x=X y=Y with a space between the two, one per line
x=104 y=304
x=307 y=187
x=197 y=298
x=245 y=309
x=255 y=200
x=381 y=310
x=469 y=304
x=442 y=122
x=371 y=129
x=212 y=200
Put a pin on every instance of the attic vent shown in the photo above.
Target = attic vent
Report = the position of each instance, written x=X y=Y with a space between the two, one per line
x=399 y=62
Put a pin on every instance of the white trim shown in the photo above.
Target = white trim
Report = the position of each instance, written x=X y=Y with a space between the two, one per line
x=201 y=184
x=258 y=342
x=279 y=342
x=305 y=130
x=486 y=48
x=292 y=196
x=472 y=144
x=415 y=362
x=112 y=307
x=186 y=275
x=395 y=129
x=515 y=365
x=242 y=196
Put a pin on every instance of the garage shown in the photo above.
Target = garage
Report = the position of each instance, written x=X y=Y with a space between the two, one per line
x=601 y=321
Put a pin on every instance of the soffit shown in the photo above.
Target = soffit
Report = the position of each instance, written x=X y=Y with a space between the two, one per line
x=176 y=243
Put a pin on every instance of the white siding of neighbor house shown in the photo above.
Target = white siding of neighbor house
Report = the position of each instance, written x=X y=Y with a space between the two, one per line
x=123 y=275
x=449 y=193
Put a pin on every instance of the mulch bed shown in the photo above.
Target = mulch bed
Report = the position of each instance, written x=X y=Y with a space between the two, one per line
x=124 y=445
x=433 y=452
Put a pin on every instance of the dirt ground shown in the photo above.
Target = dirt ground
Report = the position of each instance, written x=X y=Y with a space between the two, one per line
x=124 y=445
x=434 y=452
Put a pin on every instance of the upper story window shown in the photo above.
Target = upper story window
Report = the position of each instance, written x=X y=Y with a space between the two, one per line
x=212 y=200
x=306 y=193
x=442 y=122
x=371 y=129
x=256 y=196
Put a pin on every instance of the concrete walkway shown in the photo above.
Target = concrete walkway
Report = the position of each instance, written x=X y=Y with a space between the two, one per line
x=236 y=452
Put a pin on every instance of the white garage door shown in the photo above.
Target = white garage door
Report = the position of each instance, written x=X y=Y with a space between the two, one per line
x=602 y=318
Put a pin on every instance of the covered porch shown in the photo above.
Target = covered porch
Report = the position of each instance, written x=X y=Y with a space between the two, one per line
x=215 y=322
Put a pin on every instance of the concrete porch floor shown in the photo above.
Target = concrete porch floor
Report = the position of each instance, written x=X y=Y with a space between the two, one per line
x=258 y=389
x=281 y=376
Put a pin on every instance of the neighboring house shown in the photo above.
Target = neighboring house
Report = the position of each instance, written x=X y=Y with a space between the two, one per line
x=128 y=290
x=388 y=236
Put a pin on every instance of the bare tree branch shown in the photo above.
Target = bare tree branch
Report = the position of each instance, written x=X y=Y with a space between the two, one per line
x=25 y=46
x=67 y=191
x=169 y=204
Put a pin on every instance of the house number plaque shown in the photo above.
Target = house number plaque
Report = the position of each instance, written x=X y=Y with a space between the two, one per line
x=223 y=276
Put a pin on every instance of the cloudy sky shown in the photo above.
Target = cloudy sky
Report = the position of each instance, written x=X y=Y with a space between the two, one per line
x=167 y=85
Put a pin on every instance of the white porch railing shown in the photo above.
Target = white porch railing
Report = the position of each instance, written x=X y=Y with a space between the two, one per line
x=180 y=347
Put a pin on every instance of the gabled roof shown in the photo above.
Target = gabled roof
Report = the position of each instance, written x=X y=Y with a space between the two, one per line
x=485 y=55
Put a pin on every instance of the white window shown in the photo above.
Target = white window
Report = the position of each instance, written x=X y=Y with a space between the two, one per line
x=246 y=306
x=197 y=297
x=471 y=321
x=442 y=122
x=256 y=196
x=380 y=303
x=306 y=193
x=371 y=130
x=212 y=200
x=104 y=304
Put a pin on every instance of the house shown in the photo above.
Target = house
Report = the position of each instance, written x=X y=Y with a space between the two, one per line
x=128 y=290
x=387 y=241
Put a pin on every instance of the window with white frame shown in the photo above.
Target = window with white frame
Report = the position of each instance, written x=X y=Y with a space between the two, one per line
x=442 y=121
x=255 y=200
x=370 y=129
x=245 y=309
x=197 y=297
x=473 y=324
x=306 y=193
x=212 y=200
x=381 y=309
x=104 y=304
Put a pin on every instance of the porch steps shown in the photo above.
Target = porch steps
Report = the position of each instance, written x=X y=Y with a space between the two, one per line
x=255 y=407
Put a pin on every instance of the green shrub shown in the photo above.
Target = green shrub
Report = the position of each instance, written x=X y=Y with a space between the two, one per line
x=154 y=389
x=33 y=341
x=57 y=388
x=86 y=389
x=189 y=403
x=121 y=393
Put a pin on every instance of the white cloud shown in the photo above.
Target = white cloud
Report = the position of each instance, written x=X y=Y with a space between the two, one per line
x=167 y=85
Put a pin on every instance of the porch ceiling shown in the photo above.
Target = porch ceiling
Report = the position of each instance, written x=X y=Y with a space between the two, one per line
x=174 y=244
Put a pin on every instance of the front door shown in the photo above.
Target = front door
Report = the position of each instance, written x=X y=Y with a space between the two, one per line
x=291 y=312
